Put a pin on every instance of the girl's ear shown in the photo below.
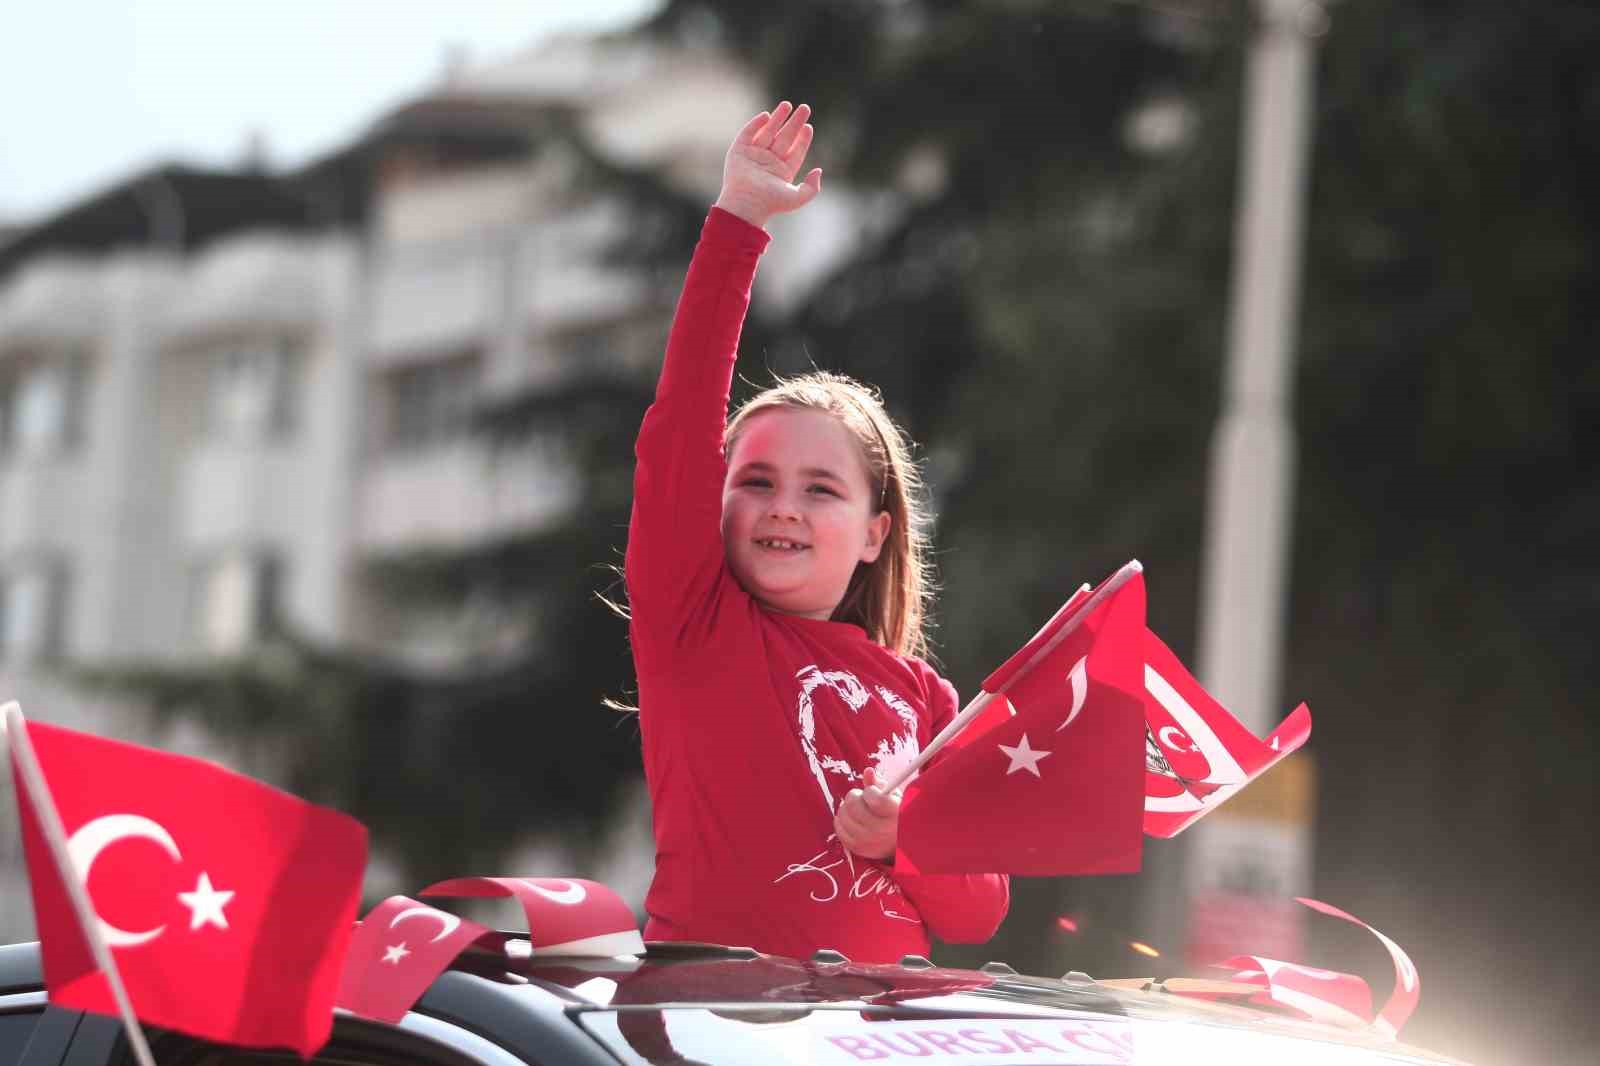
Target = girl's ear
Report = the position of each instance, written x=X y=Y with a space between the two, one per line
x=877 y=532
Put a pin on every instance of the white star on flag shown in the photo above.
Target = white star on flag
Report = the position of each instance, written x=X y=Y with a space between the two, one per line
x=395 y=952
x=205 y=904
x=1023 y=757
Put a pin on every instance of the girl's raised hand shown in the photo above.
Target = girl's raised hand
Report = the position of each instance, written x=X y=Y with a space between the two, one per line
x=758 y=173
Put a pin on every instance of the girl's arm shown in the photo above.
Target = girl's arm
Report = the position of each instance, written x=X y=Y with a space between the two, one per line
x=959 y=908
x=675 y=555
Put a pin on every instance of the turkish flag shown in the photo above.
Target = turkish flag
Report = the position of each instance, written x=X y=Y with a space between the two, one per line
x=1056 y=787
x=1324 y=995
x=396 y=952
x=1040 y=643
x=1407 y=984
x=1320 y=995
x=1196 y=753
x=225 y=903
x=566 y=916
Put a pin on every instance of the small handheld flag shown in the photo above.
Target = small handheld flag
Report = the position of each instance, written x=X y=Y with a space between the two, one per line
x=225 y=918
x=1056 y=787
x=1061 y=625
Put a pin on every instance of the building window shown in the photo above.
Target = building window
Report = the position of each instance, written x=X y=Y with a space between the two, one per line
x=40 y=400
x=253 y=390
x=33 y=600
x=235 y=600
x=429 y=402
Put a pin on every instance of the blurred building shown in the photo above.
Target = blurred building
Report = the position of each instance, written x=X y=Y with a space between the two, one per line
x=223 y=394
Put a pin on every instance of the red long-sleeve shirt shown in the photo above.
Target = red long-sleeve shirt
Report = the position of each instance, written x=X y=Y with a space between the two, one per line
x=756 y=723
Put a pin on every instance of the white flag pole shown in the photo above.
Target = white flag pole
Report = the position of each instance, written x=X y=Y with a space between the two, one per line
x=973 y=708
x=55 y=835
x=981 y=700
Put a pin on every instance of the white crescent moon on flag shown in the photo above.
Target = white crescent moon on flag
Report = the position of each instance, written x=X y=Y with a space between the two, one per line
x=1273 y=967
x=448 y=923
x=570 y=896
x=1164 y=730
x=1225 y=769
x=1079 y=677
x=85 y=845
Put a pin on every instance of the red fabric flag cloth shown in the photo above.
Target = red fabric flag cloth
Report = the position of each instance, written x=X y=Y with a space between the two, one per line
x=1327 y=995
x=566 y=916
x=226 y=904
x=1022 y=661
x=1320 y=995
x=1407 y=992
x=1196 y=753
x=396 y=952
x=1056 y=788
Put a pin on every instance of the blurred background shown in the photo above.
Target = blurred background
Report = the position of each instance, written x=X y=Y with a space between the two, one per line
x=325 y=331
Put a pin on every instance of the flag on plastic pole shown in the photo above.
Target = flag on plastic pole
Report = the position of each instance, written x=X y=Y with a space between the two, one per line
x=985 y=711
x=224 y=904
x=1056 y=787
x=80 y=948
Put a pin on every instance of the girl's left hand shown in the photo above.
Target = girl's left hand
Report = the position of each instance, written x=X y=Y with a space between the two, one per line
x=761 y=164
x=868 y=822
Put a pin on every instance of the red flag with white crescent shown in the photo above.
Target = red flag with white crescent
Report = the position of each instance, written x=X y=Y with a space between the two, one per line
x=396 y=952
x=226 y=904
x=1407 y=984
x=1196 y=753
x=566 y=916
x=1056 y=788
x=1326 y=996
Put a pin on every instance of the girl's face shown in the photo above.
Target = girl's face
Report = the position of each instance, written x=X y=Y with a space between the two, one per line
x=798 y=512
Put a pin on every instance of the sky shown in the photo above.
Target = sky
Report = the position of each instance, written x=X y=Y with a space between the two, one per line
x=92 y=91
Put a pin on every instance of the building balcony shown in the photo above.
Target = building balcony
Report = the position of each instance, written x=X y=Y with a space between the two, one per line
x=233 y=494
x=44 y=504
x=456 y=493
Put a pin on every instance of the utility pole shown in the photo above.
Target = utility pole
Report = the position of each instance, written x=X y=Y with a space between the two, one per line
x=1242 y=865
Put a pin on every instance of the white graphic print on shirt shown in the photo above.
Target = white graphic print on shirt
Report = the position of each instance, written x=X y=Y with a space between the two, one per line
x=889 y=757
x=891 y=754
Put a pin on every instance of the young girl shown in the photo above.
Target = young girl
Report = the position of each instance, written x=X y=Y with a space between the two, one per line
x=775 y=573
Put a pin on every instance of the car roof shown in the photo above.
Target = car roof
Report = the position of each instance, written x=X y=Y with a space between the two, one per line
x=681 y=976
x=737 y=982
x=20 y=968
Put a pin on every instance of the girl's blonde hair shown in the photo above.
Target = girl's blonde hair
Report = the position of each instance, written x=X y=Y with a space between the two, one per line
x=887 y=597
